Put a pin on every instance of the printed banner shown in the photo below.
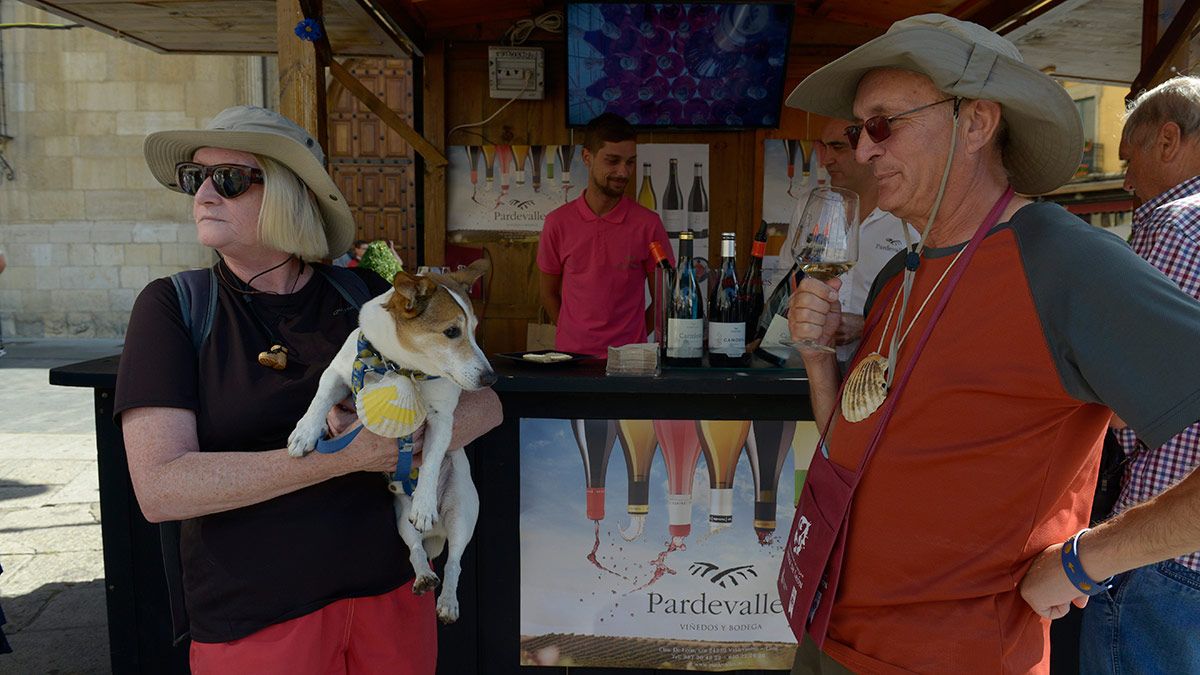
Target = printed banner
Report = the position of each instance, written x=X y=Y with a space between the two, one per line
x=663 y=551
x=791 y=169
x=673 y=180
x=510 y=187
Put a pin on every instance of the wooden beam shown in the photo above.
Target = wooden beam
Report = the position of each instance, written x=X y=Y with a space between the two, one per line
x=301 y=75
x=431 y=154
x=992 y=13
x=433 y=116
x=1149 y=29
x=1171 y=39
x=402 y=22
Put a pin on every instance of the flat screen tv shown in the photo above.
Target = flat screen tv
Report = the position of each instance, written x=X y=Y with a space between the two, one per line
x=678 y=65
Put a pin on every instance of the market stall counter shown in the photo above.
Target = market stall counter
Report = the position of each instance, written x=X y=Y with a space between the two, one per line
x=558 y=573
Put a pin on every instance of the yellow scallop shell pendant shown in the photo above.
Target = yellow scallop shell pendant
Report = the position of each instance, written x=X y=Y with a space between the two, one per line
x=866 y=388
x=390 y=405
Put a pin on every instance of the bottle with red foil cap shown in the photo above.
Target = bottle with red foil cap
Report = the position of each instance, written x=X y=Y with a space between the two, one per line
x=596 y=439
x=661 y=288
x=753 y=298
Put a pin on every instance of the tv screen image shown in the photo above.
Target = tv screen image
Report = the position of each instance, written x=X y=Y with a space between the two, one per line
x=678 y=64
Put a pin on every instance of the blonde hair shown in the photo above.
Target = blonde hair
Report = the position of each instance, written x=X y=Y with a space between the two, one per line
x=290 y=219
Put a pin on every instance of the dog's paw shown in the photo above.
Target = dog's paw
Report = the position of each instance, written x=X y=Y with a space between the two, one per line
x=447 y=608
x=424 y=510
x=304 y=437
x=425 y=582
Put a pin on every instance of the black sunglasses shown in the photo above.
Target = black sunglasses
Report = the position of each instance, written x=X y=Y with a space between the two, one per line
x=879 y=128
x=229 y=180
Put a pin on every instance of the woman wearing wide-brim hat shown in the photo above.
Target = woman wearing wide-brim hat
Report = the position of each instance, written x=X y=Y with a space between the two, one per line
x=287 y=565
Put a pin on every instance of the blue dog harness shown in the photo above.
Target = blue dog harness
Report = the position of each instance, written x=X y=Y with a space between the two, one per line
x=369 y=359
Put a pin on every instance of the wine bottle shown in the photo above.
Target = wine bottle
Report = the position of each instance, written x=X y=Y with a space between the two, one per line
x=520 y=154
x=646 y=194
x=772 y=325
x=596 y=439
x=639 y=443
x=722 y=442
x=672 y=209
x=752 y=283
x=551 y=158
x=474 y=153
x=536 y=152
x=726 y=319
x=767 y=447
x=489 y=164
x=681 y=452
x=662 y=295
x=685 y=313
x=697 y=209
x=565 y=154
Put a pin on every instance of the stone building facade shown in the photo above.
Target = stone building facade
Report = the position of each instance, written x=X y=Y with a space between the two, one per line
x=83 y=224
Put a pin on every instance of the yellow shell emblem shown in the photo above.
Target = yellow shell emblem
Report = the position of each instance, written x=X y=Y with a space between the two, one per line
x=389 y=405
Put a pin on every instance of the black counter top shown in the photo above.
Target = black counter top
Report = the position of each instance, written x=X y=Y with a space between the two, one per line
x=581 y=377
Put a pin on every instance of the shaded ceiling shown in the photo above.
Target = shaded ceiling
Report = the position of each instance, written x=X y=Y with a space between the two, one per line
x=1096 y=40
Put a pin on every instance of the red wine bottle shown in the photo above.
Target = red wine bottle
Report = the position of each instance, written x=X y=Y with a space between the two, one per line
x=726 y=321
x=753 y=298
x=685 y=312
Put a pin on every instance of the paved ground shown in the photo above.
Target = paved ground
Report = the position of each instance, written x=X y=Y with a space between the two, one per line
x=52 y=588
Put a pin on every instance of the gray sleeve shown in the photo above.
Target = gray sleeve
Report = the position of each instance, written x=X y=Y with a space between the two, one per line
x=1120 y=332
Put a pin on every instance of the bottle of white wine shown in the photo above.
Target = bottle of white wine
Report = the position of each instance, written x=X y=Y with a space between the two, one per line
x=646 y=194
x=672 y=201
x=685 y=313
x=726 y=318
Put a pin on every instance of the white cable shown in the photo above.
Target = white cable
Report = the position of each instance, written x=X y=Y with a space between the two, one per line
x=518 y=33
x=528 y=81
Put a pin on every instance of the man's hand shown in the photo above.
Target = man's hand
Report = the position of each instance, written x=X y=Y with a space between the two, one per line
x=814 y=312
x=1046 y=588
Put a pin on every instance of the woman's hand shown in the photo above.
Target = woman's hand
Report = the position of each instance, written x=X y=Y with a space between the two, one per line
x=814 y=312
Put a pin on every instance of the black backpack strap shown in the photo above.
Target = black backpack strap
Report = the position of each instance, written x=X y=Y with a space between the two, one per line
x=197 y=293
x=347 y=283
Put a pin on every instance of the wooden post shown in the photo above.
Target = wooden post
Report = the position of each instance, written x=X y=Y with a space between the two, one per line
x=301 y=73
x=433 y=95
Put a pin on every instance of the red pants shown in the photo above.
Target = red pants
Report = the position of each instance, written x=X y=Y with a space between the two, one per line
x=391 y=633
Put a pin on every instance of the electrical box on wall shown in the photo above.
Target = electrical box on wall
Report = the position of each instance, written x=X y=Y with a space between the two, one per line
x=513 y=69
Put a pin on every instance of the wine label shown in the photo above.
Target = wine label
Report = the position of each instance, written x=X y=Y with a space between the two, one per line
x=777 y=331
x=685 y=338
x=697 y=221
x=673 y=220
x=728 y=339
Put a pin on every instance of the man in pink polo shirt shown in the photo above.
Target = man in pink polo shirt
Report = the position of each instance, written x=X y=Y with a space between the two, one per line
x=594 y=253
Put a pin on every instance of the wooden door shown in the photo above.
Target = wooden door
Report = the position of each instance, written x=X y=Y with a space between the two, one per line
x=371 y=164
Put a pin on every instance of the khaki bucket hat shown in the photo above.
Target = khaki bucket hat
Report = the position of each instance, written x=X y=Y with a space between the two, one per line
x=262 y=132
x=1045 y=136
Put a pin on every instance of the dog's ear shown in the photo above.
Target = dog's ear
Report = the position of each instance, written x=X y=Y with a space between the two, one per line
x=412 y=294
x=467 y=276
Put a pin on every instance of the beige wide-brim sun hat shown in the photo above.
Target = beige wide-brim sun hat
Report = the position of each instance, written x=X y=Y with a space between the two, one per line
x=261 y=132
x=1045 y=136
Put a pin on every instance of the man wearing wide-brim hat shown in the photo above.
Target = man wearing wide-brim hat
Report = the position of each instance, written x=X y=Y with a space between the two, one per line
x=994 y=353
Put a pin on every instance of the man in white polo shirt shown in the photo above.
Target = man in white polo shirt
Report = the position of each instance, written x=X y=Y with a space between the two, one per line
x=880 y=237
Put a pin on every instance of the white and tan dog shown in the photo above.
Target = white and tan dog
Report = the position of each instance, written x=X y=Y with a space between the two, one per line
x=424 y=324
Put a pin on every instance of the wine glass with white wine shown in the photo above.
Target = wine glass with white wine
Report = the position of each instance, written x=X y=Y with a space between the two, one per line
x=825 y=244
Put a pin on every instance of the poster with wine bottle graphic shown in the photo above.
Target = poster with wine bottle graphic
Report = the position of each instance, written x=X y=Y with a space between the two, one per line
x=791 y=169
x=673 y=181
x=510 y=187
x=657 y=543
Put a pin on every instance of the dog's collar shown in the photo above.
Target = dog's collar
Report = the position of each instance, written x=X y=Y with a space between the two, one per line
x=369 y=358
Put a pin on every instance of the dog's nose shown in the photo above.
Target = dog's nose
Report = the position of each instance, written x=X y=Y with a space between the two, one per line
x=487 y=378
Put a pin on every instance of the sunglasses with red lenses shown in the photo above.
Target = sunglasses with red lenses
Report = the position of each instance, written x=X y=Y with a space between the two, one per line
x=229 y=180
x=879 y=128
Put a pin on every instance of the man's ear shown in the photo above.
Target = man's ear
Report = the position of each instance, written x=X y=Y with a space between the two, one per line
x=412 y=294
x=1168 y=142
x=981 y=119
x=467 y=277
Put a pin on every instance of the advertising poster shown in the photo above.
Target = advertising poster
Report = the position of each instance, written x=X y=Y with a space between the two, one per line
x=510 y=188
x=673 y=180
x=657 y=543
x=791 y=169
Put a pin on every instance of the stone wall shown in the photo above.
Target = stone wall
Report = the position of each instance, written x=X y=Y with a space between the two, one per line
x=83 y=224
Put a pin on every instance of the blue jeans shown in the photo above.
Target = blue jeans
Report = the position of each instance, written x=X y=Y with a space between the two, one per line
x=1149 y=622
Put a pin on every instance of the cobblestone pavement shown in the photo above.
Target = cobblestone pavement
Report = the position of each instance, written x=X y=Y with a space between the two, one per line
x=52 y=588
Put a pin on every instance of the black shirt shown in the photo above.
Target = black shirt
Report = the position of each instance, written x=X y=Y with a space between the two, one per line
x=262 y=564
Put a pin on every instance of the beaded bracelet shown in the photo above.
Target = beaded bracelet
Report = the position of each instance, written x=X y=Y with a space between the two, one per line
x=1074 y=568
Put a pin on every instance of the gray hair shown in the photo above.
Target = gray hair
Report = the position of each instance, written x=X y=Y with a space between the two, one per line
x=1176 y=100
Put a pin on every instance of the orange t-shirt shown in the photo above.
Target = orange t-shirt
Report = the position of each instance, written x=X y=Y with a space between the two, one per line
x=993 y=450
